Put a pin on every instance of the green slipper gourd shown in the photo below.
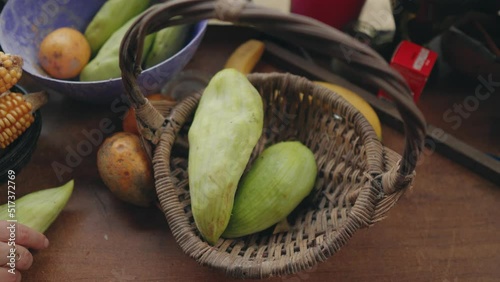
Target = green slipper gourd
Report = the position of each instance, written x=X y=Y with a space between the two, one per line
x=38 y=210
x=226 y=127
x=279 y=179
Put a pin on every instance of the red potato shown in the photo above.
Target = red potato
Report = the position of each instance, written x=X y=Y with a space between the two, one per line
x=126 y=169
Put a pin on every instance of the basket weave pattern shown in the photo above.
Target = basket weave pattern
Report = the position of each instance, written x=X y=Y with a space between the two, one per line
x=358 y=180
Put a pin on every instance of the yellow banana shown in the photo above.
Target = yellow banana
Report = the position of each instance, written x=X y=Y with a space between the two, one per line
x=359 y=103
x=246 y=56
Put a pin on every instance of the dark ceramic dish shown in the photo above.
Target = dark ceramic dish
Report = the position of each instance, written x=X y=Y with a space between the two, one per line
x=18 y=154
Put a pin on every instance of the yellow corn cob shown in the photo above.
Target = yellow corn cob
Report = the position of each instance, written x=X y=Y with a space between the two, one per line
x=16 y=114
x=10 y=71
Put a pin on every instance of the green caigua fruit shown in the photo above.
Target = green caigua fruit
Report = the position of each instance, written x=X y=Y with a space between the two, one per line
x=39 y=209
x=279 y=179
x=226 y=127
x=168 y=41
x=110 y=17
x=105 y=64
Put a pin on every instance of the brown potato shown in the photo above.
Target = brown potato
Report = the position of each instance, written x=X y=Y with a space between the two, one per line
x=126 y=169
x=64 y=53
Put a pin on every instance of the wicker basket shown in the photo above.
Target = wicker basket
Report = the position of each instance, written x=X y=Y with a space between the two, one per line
x=358 y=180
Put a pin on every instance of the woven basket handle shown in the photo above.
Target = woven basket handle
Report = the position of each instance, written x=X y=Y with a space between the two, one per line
x=369 y=66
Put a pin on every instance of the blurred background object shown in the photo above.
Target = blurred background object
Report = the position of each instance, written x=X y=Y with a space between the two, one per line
x=282 y=5
x=420 y=21
x=472 y=45
x=337 y=13
x=464 y=33
x=377 y=16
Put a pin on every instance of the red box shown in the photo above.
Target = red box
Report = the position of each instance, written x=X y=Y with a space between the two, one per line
x=415 y=64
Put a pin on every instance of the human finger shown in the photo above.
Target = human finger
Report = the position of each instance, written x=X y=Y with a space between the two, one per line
x=5 y=251
x=22 y=260
x=15 y=257
x=23 y=235
x=8 y=275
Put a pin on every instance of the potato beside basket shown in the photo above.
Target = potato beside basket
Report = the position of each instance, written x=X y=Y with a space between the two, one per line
x=358 y=179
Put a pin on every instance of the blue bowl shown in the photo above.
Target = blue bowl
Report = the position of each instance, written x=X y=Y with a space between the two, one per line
x=24 y=24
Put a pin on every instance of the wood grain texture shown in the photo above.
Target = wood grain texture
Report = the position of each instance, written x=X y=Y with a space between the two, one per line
x=447 y=228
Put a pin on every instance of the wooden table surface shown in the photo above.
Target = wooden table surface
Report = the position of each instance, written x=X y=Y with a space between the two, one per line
x=447 y=228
